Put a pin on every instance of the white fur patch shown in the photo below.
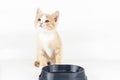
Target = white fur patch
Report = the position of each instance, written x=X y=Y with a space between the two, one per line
x=43 y=18
x=46 y=37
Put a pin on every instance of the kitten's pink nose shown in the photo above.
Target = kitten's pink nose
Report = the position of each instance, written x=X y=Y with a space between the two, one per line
x=41 y=24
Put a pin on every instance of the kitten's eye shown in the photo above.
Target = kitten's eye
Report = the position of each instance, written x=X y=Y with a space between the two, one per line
x=39 y=19
x=46 y=21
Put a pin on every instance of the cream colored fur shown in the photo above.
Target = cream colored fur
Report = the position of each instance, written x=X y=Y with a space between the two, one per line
x=48 y=41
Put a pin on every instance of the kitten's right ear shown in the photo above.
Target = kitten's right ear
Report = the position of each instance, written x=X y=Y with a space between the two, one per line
x=38 y=11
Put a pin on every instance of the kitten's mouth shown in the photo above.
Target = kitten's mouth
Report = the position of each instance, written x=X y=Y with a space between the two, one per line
x=41 y=25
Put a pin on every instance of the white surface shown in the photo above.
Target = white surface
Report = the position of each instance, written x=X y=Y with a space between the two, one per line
x=24 y=69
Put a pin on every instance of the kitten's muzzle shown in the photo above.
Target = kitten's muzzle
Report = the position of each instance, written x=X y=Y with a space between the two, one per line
x=41 y=24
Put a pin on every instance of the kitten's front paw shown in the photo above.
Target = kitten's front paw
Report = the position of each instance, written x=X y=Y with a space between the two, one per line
x=37 y=64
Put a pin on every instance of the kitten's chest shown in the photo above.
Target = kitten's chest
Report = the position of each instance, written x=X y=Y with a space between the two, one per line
x=46 y=37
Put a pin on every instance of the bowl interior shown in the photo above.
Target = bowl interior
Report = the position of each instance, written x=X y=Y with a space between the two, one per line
x=63 y=69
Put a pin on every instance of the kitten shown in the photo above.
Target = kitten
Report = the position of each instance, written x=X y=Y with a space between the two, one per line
x=48 y=41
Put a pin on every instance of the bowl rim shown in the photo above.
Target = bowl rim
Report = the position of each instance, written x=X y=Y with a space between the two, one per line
x=81 y=71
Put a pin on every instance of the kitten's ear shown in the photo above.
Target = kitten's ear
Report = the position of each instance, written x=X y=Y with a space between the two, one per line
x=38 y=11
x=55 y=15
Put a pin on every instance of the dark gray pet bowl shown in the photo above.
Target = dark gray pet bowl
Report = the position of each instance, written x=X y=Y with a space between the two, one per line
x=62 y=72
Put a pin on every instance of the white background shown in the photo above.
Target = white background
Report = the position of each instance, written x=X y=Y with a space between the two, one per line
x=89 y=30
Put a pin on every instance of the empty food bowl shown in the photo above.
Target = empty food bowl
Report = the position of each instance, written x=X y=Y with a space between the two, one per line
x=62 y=72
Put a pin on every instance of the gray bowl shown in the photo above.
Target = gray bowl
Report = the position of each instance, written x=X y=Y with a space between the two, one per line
x=62 y=72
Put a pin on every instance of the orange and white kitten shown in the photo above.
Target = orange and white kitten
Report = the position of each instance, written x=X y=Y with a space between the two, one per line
x=48 y=41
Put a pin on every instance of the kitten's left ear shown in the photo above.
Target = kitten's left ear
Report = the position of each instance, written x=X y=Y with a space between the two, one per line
x=55 y=15
x=38 y=11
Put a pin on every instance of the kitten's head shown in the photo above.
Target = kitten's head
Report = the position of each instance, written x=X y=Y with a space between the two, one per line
x=46 y=21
